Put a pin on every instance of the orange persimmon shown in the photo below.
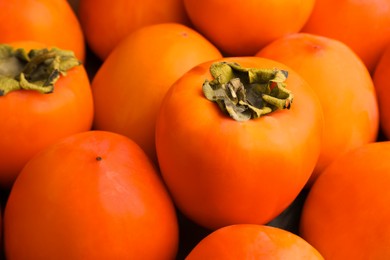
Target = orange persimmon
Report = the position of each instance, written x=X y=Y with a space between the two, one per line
x=222 y=171
x=39 y=110
x=52 y=22
x=130 y=84
x=343 y=85
x=242 y=28
x=106 y=23
x=363 y=25
x=249 y=241
x=346 y=213
x=92 y=195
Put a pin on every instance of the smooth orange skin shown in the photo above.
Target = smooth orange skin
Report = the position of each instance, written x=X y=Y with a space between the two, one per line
x=130 y=85
x=28 y=45
x=346 y=213
x=52 y=22
x=241 y=29
x=246 y=241
x=67 y=204
x=106 y=23
x=32 y=121
x=220 y=171
x=382 y=88
x=343 y=86
x=363 y=25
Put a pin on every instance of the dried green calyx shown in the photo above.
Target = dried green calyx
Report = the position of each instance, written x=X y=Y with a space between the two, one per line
x=36 y=70
x=247 y=93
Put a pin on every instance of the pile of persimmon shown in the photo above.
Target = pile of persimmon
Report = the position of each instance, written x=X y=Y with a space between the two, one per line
x=193 y=129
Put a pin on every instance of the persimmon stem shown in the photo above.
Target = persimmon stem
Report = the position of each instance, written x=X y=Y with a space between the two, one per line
x=36 y=70
x=247 y=93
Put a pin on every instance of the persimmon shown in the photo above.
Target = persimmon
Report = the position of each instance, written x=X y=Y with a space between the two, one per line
x=245 y=166
x=52 y=22
x=249 y=241
x=363 y=25
x=129 y=86
x=45 y=96
x=106 y=23
x=346 y=213
x=343 y=85
x=241 y=29
x=91 y=195
x=382 y=88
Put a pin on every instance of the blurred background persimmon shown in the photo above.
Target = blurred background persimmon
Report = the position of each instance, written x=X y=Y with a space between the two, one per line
x=105 y=23
x=242 y=28
x=363 y=25
x=52 y=22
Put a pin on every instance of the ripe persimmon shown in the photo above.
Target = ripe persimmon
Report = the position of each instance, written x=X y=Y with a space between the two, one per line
x=52 y=22
x=346 y=212
x=222 y=169
x=242 y=28
x=342 y=83
x=363 y=25
x=105 y=23
x=249 y=241
x=129 y=86
x=382 y=87
x=91 y=195
x=45 y=96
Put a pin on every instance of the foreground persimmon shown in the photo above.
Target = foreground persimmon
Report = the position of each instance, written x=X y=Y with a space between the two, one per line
x=130 y=85
x=51 y=22
x=241 y=29
x=45 y=95
x=343 y=85
x=346 y=213
x=246 y=167
x=248 y=241
x=92 y=195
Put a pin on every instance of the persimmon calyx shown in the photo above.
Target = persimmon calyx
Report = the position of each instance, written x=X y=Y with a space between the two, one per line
x=247 y=93
x=36 y=70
